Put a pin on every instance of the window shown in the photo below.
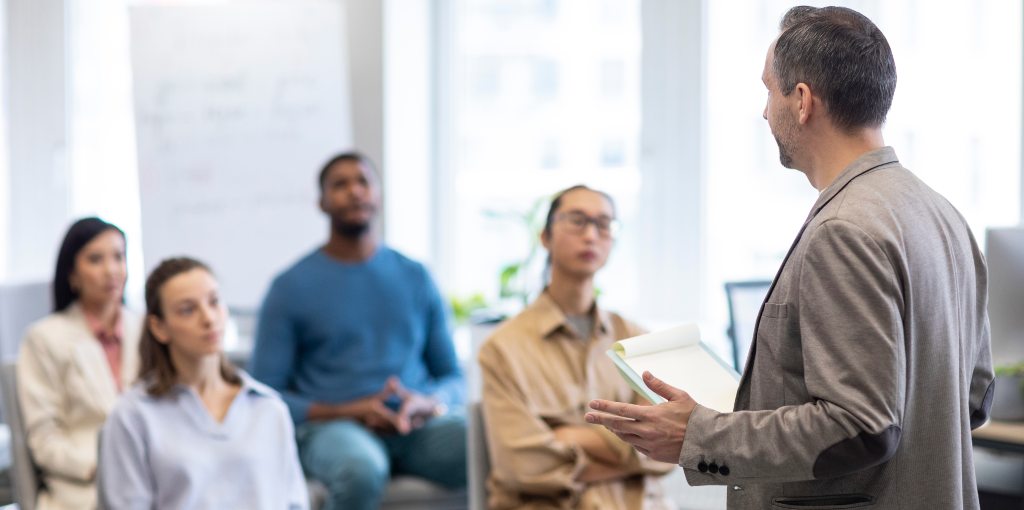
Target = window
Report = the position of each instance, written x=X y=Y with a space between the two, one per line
x=967 y=151
x=545 y=95
x=102 y=161
x=5 y=208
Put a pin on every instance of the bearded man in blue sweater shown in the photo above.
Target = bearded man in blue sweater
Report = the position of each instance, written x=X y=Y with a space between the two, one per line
x=355 y=337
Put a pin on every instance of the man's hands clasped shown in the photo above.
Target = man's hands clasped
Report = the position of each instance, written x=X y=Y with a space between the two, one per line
x=372 y=411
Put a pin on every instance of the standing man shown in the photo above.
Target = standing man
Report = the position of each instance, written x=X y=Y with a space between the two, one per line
x=871 y=363
x=355 y=337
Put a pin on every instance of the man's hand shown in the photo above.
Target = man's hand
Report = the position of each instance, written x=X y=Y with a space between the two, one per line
x=372 y=412
x=416 y=409
x=655 y=431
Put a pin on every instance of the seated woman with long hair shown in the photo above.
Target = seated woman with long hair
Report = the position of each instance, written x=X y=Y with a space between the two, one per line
x=74 y=362
x=195 y=432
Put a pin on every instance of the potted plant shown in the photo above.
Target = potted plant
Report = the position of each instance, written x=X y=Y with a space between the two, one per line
x=514 y=278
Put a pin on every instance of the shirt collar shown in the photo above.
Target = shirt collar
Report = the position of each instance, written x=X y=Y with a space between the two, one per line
x=249 y=386
x=549 y=317
x=98 y=329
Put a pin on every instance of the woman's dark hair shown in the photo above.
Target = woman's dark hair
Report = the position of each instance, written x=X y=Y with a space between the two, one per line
x=556 y=203
x=79 y=234
x=157 y=370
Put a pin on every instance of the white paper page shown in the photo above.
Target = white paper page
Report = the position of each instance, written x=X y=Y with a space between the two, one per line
x=680 y=336
x=693 y=370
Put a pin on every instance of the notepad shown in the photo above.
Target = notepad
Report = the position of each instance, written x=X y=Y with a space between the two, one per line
x=678 y=357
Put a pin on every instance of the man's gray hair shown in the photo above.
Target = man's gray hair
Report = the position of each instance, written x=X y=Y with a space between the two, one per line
x=843 y=57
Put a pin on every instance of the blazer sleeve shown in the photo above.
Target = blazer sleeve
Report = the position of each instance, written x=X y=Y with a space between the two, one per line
x=850 y=336
x=42 y=398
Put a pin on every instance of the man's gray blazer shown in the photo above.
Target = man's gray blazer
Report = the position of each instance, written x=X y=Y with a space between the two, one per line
x=870 y=363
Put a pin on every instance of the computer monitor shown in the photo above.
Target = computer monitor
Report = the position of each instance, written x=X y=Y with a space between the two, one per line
x=744 y=300
x=1004 y=250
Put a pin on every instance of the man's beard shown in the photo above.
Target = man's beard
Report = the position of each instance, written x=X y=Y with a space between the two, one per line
x=784 y=136
x=350 y=230
x=784 y=156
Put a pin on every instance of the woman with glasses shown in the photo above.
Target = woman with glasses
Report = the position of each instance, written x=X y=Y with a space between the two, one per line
x=195 y=432
x=75 y=362
x=542 y=367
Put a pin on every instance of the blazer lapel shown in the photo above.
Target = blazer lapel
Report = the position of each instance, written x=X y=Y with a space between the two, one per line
x=866 y=163
x=90 y=361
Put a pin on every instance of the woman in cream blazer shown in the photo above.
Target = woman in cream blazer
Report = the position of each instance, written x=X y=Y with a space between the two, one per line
x=74 y=363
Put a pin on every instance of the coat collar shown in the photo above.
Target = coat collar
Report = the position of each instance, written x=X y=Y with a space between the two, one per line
x=865 y=163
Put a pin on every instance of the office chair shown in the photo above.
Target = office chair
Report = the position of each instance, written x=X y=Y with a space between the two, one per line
x=24 y=474
x=479 y=462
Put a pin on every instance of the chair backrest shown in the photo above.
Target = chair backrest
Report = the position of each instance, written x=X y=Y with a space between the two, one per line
x=479 y=461
x=745 y=300
x=21 y=304
x=24 y=475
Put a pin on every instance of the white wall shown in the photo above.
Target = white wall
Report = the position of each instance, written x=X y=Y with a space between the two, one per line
x=365 y=20
x=36 y=44
x=35 y=194
x=408 y=122
x=672 y=158
x=4 y=162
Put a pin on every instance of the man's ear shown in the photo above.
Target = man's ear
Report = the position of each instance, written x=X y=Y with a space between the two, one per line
x=806 y=106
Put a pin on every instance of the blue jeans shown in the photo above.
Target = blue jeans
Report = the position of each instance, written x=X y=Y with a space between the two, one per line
x=356 y=463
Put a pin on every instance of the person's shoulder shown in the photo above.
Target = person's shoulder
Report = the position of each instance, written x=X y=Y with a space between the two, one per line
x=622 y=327
x=299 y=272
x=405 y=269
x=400 y=261
x=255 y=387
x=46 y=326
x=515 y=333
x=264 y=396
x=310 y=260
x=56 y=327
x=131 y=404
x=880 y=204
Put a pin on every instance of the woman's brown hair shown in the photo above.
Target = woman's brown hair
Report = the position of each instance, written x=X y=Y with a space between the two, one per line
x=157 y=371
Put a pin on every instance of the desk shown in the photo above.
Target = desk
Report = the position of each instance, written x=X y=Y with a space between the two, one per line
x=1002 y=436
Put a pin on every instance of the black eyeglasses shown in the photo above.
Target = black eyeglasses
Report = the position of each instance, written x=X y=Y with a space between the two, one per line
x=577 y=222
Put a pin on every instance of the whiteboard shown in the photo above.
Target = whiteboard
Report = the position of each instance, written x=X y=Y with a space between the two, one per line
x=237 y=104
